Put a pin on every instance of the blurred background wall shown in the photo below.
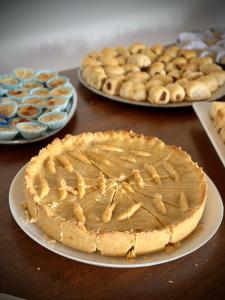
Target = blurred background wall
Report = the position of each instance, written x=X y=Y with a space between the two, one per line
x=57 y=34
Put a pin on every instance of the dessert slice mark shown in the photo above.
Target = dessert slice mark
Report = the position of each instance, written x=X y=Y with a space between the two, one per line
x=65 y=163
x=78 y=213
x=44 y=186
x=138 y=178
x=81 y=189
x=50 y=165
x=153 y=173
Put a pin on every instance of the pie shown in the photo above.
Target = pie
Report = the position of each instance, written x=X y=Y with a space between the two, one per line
x=131 y=73
x=218 y=118
x=115 y=192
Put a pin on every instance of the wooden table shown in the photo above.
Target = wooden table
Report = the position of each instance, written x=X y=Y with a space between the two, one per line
x=30 y=271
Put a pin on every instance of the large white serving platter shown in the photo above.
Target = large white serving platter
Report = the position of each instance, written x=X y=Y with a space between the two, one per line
x=209 y=224
x=220 y=92
x=203 y=112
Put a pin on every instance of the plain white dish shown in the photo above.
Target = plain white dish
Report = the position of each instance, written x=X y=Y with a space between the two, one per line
x=203 y=112
x=209 y=224
x=220 y=92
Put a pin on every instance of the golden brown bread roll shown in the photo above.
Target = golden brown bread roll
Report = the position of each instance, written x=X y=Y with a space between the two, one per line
x=158 y=49
x=109 y=61
x=175 y=74
x=154 y=82
x=170 y=67
x=188 y=54
x=189 y=75
x=136 y=48
x=96 y=80
x=112 y=85
x=87 y=70
x=157 y=68
x=123 y=51
x=140 y=60
x=179 y=62
x=210 y=82
x=158 y=95
x=121 y=60
x=189 y=67
x=177 y=92
x=172 y=51
x=182 y=81
x=209 y=68
x=138 y=76
x=219 y=118
x=196 y=90
x=131 y=68
x=220 y=77
x=89 y=61
x=133 y=91
x=201 y=60
x=117 y=70
x=152 y=56
x=165 y=58
x=165 y=78
x=109 y=52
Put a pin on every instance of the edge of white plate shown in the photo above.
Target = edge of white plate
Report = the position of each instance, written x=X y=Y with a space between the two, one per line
x=104 y=261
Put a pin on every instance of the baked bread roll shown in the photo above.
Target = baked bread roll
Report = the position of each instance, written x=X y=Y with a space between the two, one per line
x=112 y=85
x=219 y=119
x=170 y=67
x=109 y=52
x=87 y=70
x=158 y=49
x=121 y=60
x=220 y=77
x=187 y=53
x=216 y=105
x=165 y=78
x=210 y=82
x=133 y=91
x=109 y=61
x=175 y=74
x=190 y=67
x=172 y=51
x=138 y=76
x=182 y=81
x=96 y=79
x=157 y=68
x=131 y=68
x=122 y=51
x=117 y=70
x=151 y=55
x=189 y=75
x=209 y=68
x=159 y=95
x=197 y=90
x=201 y=60
x=89 y=61
x=154 y=82
x=177 y=92
x=95 y=54
x=165 y=58
x=179 y=62
x=140 y=60
x=136 y=48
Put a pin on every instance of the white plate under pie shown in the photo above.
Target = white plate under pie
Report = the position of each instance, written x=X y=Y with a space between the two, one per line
x=209 y=224
x=220 y=92
x=203 y=112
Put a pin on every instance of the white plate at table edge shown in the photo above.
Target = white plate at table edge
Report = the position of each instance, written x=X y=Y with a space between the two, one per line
x=52 y=132
x=203 y=112
x=220 y=92
x=210 y=222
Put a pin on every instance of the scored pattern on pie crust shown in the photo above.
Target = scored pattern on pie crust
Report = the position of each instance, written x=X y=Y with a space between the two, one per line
x=115 y=183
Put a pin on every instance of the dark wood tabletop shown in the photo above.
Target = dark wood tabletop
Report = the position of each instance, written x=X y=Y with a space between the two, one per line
x=29 y=271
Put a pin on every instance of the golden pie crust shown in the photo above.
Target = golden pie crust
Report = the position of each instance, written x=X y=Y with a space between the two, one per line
x=116 y=192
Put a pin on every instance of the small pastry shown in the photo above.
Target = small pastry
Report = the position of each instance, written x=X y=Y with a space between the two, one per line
x=57 y=81
x=165 y=58
x=197 y=90
x=179 y=62
x=23 y=73
x=157 y=68
x=8 y=133
x=9 y=81
x=182 y=81
x=114 y=70
x=17 y=120
x=31 y=130
x=17 y=94
x=136 y=48
x=165 y=78
x=133 y=91
x=157 y=49
x=189 y=75
x=40 y=92
x=175 y=74
x=209 y=68
x=159 y=95
x=170 y=67
x=154 y=82
x=201 y=60
x=151 y=55
x=57 y=103
x=109 y=52
x=190 y=67
x=177 y=92
x=8 y=109
x=220 y=77
x=122 y=51
x=109 y=61
x=210 y=82
x=139 y=76
x=44 y=75
x=219 y=118
x=188 y=53
x=96 y=80
x=131 y=68
x=91 y=69
x=121 y=60
x=89 y=61
x=30 y=85
x=39 y=101
x=172 y=51
x=53 y=120
x=112 y=85
x=140 y=60
x=216 y=105
x=66 y=90
x=28 y=111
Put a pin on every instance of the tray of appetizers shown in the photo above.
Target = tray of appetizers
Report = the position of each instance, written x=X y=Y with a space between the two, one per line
x=157 y=76
x=34 y=105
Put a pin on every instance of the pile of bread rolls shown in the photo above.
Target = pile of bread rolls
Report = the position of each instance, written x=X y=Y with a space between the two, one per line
x=218 y=117
x=157 y=74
